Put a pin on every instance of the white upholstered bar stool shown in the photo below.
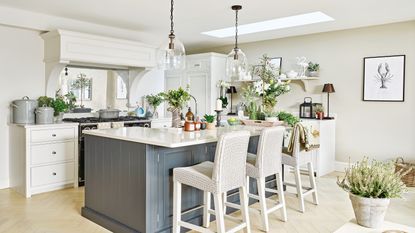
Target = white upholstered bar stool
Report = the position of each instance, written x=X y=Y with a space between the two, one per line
x=227 y=172
x=265 y=163
x=296 y=160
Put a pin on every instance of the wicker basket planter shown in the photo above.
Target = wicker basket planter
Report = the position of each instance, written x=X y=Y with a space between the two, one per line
x=409 y=169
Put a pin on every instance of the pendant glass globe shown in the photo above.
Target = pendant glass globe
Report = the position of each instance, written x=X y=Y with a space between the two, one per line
x=237 y=65
x=172 y=55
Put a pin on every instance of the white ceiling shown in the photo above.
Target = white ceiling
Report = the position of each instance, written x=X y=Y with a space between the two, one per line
x=192 y=17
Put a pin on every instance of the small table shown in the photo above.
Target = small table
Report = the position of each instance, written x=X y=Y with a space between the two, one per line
x=352 y=226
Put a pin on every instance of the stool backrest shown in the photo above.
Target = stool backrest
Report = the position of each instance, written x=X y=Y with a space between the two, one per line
x=230 y=160
x=270 y=150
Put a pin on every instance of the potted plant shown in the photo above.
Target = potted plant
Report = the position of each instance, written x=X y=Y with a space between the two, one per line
x=210 y=119
x=176 y=100
x=288 y=118
x=319 y=112
x=272 y=117
x=60 y=106
x=313 y=69
x=154 y=101
x=370 y=187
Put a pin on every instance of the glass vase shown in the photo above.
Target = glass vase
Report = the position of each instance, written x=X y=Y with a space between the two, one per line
x=252 y=111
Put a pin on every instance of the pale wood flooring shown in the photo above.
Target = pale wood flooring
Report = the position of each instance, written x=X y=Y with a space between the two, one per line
x=59 y=212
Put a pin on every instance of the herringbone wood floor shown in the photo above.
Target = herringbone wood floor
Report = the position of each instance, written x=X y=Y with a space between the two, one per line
x=59 y=212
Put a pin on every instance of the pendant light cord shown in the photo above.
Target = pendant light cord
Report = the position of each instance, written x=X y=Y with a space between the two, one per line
x=236 y=29
x=171 y=17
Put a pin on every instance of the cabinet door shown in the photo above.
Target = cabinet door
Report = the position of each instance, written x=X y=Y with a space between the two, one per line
x=169 y=159
x=200 y=89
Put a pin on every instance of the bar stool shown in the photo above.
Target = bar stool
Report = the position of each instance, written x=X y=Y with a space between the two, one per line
x=265 y=163
x=296 y=160
x=227 y=172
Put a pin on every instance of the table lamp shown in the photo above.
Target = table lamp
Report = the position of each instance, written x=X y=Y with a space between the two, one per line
x=231 y=90
x=328 y=88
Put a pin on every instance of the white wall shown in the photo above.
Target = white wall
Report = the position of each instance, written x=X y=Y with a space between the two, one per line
x=151 y=83
x=376 y=129
x=21 y=74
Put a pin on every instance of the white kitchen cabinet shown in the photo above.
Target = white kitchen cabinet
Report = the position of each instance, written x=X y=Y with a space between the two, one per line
x=43 y=157
x=324 y=158
x=202 y=74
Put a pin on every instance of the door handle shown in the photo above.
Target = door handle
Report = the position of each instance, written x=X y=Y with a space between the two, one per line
x=53 y=135
x=54 y=152
x=54 y=173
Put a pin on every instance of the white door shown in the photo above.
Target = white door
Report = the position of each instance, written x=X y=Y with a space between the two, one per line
x=199 y=88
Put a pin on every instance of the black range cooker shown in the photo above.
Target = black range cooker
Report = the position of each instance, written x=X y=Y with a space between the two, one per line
x=90 y=123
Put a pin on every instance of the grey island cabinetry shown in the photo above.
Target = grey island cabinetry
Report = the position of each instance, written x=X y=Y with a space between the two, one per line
x=129 y=175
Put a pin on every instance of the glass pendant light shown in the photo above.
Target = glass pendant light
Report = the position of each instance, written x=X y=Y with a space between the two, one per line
x=236 y=62
x=171 y=54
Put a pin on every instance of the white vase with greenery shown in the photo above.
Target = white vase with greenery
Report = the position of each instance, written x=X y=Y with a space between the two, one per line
x=176 y=100
x=371 y=185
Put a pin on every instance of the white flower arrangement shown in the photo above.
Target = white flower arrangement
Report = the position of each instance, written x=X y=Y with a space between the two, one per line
x=223 y=84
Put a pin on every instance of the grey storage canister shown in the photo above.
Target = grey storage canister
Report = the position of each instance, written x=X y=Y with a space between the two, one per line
x=44 y=115
x=24 y=111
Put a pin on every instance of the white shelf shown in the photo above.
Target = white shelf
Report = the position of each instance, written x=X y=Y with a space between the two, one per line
x=304 y=80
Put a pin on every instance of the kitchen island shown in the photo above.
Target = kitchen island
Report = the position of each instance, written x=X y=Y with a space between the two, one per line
x=129 y=175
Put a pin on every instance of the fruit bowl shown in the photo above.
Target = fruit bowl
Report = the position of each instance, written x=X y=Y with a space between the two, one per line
x=233 y=121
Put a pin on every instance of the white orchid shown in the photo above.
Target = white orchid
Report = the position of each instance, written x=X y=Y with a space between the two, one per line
x=223 y=84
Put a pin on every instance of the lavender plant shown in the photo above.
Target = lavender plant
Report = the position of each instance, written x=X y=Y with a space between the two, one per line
x=373 y=180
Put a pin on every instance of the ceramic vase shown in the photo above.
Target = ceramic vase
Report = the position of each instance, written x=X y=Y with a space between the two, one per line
x=175 y=119
x=369 y=212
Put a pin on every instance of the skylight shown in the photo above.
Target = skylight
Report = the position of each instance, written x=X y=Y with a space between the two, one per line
x=273 y=24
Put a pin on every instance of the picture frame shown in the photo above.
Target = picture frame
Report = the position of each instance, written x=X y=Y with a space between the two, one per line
x=276 y=62
x=384 y=78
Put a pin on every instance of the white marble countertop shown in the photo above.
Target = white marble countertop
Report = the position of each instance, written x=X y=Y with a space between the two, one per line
x=171 y=138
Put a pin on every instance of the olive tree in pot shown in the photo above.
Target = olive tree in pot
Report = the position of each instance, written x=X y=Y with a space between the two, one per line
x=176 y=100
x=370 y=187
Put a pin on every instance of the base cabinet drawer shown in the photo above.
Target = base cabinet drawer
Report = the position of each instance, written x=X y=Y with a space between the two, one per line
x=49 y=153
x=47 y=135
x=52 y=174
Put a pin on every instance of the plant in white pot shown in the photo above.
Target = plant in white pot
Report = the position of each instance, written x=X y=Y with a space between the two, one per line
x=371 y=185
x=176 y=100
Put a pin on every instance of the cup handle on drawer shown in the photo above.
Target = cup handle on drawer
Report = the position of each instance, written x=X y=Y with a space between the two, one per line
x=54 y=152
x=54 y=173
x=53 y=135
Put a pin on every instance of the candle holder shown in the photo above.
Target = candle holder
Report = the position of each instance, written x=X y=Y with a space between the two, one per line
x=218 y=117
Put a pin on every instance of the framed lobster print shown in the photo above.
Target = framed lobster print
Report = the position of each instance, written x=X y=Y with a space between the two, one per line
x=384 y=78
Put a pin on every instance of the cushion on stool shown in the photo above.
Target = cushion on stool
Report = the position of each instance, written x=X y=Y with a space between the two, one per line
x=251 y=169
x=198 y=176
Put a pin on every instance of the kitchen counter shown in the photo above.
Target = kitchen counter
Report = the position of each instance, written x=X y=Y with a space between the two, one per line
x=169 y=137
x=129 y=173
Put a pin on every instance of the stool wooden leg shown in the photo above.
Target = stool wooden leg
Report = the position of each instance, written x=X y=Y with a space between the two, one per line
x=220 y=217
x=243 y=195
x=225 y=198
x=300 y=194
x=177 y=202
x=281 y=197
x=206 y=214
x=263 y=203
x=312 y=182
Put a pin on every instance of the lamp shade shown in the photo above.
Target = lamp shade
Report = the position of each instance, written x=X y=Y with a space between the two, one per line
x=328 y=88
x=236 y=65
x=172 y=55
x=231 y=90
